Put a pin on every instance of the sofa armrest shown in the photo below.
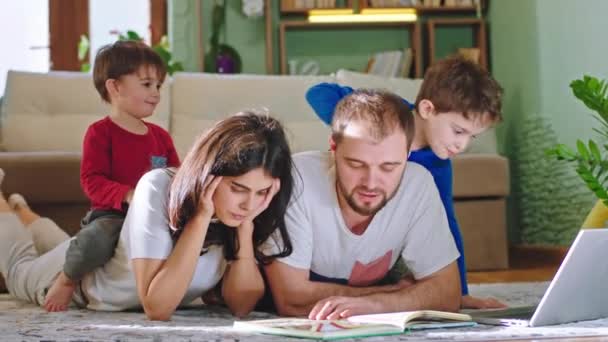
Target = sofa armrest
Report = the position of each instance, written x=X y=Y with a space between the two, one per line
x=43 y=177
x=480 y=175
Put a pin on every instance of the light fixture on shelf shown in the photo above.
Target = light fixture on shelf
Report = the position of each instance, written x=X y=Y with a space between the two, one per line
x=368 y=15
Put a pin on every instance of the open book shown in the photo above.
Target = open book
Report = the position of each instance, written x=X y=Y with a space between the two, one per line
x=357 y=326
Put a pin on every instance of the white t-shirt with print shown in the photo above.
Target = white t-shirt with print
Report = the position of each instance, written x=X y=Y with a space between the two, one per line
x=145 y=234
x=412 y=224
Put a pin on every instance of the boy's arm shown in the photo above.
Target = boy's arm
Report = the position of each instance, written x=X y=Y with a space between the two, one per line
x=295 y=295
x=443 y=182
x=324 y=97
x=95 y=170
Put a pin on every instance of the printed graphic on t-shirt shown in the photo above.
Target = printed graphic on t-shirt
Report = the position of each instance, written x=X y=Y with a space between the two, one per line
x=370 y=273
x=157 y=162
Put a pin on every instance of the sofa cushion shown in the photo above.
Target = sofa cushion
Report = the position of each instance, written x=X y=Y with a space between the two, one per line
x=199 y=100
x=480 y=175
x=51 y=111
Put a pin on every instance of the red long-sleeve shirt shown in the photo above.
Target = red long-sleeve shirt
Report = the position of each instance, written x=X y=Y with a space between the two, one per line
x=114 y=159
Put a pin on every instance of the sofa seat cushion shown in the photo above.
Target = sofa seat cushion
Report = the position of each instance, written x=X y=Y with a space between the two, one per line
x=199 y=100
x=51 y=111
x=480 y=175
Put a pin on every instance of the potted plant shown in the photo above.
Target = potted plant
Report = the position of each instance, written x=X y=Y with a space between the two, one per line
x=589 y=158
x=162 y=48
x=221 y=58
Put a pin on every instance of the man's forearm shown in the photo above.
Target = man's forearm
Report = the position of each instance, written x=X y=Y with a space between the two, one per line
x=302 y=303
x=438 y=293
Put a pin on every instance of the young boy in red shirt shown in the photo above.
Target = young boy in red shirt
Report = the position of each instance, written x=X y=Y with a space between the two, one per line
x=117 y=151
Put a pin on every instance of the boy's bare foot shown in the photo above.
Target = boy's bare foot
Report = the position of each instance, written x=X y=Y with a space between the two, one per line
x=60 y=294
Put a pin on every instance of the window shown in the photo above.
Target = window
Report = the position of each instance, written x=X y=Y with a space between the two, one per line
x=26 y=37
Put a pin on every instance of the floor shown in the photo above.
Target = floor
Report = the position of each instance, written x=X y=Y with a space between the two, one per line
x=526 y=263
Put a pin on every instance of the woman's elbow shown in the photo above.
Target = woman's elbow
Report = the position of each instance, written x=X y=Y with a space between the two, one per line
x=156 y=313
x=241 y=307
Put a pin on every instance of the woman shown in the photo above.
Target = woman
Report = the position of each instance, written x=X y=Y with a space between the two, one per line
x=184 y=230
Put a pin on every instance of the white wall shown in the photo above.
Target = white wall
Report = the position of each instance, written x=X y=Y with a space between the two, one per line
x=24 y=38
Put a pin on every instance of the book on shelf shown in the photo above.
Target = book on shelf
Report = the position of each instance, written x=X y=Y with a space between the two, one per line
x=392 y=3
x=391 y=63
x=357 y=326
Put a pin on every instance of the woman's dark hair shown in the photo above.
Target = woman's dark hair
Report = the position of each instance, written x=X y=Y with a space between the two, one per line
x=232 y=147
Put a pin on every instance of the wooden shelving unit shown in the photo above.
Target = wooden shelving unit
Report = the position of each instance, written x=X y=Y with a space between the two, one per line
x=413 y=27
x=479 y=32
x=290 y=18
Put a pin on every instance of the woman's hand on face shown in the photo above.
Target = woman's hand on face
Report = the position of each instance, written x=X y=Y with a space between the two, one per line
x=274 y=188
x=205 y=204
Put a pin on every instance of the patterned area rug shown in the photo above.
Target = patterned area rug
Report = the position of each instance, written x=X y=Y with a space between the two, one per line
x=21 y=321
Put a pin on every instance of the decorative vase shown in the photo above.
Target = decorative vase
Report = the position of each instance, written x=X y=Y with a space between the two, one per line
x=597 y=217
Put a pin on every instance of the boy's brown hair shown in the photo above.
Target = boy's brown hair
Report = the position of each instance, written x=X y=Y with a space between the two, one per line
x=383 y=112
x=455 y=84
x=122 y=58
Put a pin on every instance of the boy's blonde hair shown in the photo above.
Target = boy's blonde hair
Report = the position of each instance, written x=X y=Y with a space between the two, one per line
x=122 y=58
x=455 y=84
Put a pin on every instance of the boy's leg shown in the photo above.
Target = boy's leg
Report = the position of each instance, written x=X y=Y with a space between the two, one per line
x=94 y=244
x=26 y=274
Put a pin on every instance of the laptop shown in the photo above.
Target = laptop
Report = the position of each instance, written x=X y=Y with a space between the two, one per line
x=576 y=293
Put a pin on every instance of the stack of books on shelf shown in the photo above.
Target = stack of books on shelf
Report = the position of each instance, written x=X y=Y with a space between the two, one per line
x=423 y=3
x=397 y=63
x=460 y=3
x=393 y=3
x=307 y=4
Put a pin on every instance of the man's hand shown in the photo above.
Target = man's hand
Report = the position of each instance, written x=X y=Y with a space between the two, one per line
x=470 y=302
x=341 y=307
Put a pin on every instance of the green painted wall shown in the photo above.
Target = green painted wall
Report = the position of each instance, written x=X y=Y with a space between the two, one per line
x=331 y=48
x=572 y=36
x=537 y=48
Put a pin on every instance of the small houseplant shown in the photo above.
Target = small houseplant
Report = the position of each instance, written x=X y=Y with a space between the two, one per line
x=162 y=48
x=590 y=158
x=221 y=57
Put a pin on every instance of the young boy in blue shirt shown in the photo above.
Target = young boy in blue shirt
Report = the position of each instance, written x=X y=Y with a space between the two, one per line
x=457 y=101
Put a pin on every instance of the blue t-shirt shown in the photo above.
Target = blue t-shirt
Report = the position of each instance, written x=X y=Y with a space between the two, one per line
x=324 y=97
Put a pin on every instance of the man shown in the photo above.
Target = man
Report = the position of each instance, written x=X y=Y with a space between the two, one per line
x=357 y=209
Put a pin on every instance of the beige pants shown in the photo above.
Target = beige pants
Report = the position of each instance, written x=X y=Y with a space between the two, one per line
x=31 y=257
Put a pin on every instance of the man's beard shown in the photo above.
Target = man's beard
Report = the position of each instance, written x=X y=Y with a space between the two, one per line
x=364 y=210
